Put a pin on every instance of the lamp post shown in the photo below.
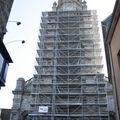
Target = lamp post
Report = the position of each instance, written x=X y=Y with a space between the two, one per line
x=5 y=58
x=22 y=41
x=17 y=22
x=4 y=27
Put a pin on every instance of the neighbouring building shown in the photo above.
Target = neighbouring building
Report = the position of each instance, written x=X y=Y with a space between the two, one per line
x=69 y=83
x=112 y=45
x=5 y=59
x=105 y=27
x=21 y=100
x=5 y=114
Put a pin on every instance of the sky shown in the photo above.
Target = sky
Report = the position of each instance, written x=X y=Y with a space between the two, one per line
x=28 y=12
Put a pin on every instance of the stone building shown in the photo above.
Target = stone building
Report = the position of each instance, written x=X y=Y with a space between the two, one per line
x=112 y=45
x=5 y=59
x=69 y=83
x=21 y=100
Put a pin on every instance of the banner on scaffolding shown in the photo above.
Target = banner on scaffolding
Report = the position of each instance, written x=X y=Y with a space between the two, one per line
x=43 y=109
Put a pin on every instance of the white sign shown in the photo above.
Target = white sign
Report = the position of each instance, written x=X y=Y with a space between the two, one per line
x=43 y=109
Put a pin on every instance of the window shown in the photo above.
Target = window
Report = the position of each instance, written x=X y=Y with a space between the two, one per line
x=3 y=70
x=1 y=62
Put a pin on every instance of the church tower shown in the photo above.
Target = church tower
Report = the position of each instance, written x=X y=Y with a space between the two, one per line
x=69 y=84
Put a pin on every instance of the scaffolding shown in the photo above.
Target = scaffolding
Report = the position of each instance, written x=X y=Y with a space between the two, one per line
x=68 y=84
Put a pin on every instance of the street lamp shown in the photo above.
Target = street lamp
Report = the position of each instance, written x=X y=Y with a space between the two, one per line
x=5 y=30
x=17 y=22
x=22 y=41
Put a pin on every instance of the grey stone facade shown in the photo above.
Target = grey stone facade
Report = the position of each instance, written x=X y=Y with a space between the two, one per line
x=69 y=83
x=21 y=100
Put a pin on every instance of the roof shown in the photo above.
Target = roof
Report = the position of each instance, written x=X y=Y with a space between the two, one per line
x=115 y=18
